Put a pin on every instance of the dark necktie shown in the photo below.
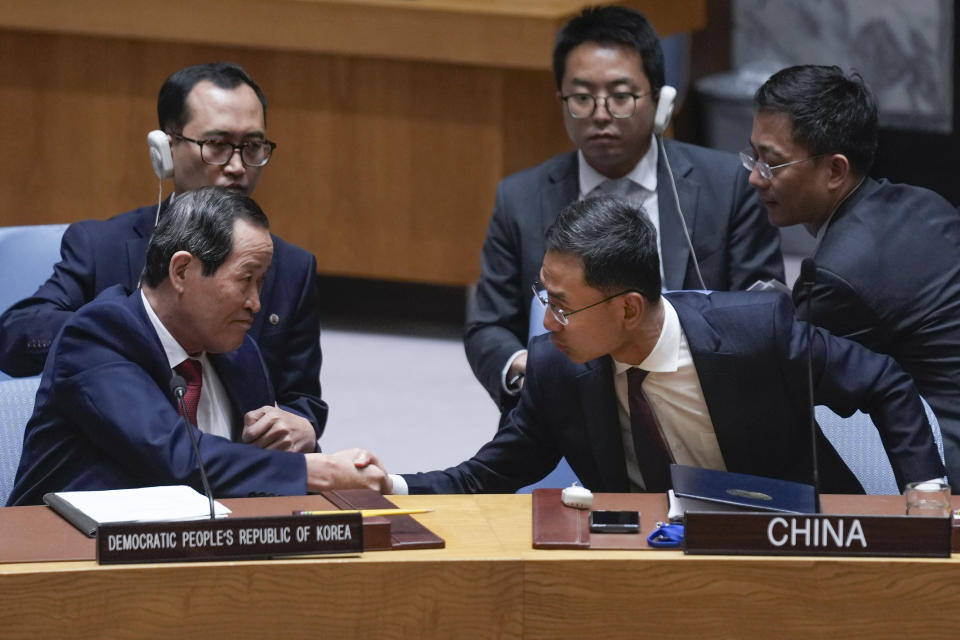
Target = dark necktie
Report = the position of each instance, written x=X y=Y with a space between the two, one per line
x=192 y=372
x=652 y=454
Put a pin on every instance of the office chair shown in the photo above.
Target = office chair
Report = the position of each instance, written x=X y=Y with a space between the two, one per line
x=16 y=406
x=27 y=256
x=858 y=442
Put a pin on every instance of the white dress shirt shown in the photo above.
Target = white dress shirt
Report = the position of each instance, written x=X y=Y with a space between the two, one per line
x=214 y=413
x=676 y=398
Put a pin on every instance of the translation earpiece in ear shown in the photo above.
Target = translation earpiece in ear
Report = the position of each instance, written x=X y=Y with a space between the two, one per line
x=160 y=156
x=664 y=109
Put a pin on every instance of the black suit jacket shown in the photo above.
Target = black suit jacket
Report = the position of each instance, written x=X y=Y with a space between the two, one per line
x=105 y=417
x=97 y=254
x=750 y=356
x=734 y=242
x=888 y=276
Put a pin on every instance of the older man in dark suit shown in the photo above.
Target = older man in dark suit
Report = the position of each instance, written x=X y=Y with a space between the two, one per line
x=105 y=416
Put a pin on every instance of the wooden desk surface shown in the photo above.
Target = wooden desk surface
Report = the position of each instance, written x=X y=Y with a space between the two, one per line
x=488 y=582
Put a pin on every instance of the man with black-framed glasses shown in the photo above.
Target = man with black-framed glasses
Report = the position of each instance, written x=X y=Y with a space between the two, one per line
x=609 y=70
x=630 y=380
x=214 y=118
x=887 y=255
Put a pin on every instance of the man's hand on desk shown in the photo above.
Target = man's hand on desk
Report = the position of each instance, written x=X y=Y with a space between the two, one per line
x=347 y=469
x=274 y=428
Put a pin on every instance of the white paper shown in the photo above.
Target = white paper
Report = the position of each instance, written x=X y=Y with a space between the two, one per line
x=148 y=504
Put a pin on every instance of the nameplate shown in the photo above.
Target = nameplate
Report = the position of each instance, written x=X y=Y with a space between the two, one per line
x=816 y=535
x=229 y=538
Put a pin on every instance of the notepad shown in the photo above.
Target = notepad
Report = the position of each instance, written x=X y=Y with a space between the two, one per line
x=87 y=510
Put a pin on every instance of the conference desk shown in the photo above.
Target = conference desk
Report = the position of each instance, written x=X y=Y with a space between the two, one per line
x=487 y=583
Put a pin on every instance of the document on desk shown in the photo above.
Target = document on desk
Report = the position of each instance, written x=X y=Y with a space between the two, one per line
x=87 y=510
x=696 y=489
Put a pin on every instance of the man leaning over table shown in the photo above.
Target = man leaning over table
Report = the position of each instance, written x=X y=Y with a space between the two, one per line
x=630 y=380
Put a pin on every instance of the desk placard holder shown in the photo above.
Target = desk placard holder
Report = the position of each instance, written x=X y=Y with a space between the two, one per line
x=404 y=531
x=230 y=538
x=557 y=526
x=816 y=534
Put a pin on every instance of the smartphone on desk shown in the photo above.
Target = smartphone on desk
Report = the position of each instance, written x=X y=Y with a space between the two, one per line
x=614 y=521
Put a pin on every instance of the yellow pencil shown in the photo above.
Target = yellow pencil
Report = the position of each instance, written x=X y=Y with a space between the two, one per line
x=366 y=513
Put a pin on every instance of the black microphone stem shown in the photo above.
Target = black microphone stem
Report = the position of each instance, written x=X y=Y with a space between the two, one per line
x=179 y=391
x=808 y=273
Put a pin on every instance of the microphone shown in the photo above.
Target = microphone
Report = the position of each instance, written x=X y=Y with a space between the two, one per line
x=808 y=277
x=179 y=388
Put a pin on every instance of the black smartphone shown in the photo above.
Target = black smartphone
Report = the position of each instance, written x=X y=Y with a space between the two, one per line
x=615 y=521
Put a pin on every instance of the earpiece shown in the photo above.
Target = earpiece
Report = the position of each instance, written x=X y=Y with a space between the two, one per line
x=664 y=109
x=160 y=156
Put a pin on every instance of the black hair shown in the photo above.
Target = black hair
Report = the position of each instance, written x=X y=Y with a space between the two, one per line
x=611 y=25
x=831 y=112
x=201 y=223
x=172 y=111
x=614 y=241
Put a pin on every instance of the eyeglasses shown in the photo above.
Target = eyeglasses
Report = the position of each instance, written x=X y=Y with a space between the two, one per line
x=764 y=169
x=618 y=105
x=253 y=153
x=561 y=316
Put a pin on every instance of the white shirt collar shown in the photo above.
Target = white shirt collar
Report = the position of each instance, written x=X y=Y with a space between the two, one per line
x=174 y=352
x=665 y=356
x=644 y=173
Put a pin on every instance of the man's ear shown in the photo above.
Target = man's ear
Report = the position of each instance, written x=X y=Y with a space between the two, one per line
x=634 y=307
x=177 y=271
x=839 y=167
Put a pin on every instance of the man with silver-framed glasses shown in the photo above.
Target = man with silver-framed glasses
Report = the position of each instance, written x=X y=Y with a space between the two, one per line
x=887 y=255
x=609 y=71
x=213 y=123
x=630 y=380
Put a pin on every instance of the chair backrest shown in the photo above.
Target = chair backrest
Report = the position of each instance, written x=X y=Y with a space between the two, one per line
x=536 y=328
x=27 y=256
x=16 y=406
x=858 y=442
x=560 y=478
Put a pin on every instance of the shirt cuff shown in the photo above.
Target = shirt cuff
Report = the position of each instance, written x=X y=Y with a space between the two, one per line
x=503 y=374
x=399 y=485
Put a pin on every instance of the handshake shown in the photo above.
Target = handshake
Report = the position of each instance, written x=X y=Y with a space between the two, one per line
x=347 y=469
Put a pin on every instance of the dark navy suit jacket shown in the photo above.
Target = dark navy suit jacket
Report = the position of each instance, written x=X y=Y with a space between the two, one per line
x=105 y=417
x=888 y=276
x=734 y=242
x=750 y=356
x=97 y=254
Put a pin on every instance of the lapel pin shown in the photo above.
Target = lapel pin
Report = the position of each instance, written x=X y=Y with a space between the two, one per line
x=274 y=319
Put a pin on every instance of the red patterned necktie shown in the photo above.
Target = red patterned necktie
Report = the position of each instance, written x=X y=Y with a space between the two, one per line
x=653 y=456
x=192 y=372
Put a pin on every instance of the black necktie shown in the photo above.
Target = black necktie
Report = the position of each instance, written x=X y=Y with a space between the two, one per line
x=653 y=456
